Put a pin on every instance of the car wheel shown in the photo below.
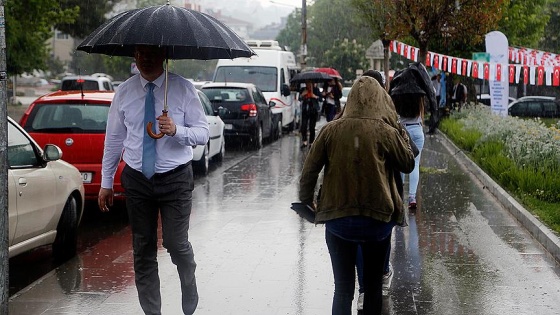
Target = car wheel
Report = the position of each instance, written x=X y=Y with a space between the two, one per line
x=66 y=240
x=220 y=156
x=258 y=138
x=201 y=166
x=278 y=130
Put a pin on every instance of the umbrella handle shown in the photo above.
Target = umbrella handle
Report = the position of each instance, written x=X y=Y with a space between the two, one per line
x=149 y=128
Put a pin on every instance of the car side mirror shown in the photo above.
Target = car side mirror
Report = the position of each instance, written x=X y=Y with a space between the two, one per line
x=286 y=90
x=52 y=152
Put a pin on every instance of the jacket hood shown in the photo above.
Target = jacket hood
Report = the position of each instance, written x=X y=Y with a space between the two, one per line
x=368 y=100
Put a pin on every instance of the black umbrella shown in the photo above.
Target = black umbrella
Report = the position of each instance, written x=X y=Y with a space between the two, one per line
x=186 y=34
x=315 y=77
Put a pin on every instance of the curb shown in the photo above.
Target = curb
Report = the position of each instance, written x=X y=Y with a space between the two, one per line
x=545 y=236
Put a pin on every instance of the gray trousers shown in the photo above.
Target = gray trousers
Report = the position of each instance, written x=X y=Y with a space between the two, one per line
x=168 y=195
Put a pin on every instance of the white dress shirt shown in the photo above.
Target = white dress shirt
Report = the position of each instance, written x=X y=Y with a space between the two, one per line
x=125 y=125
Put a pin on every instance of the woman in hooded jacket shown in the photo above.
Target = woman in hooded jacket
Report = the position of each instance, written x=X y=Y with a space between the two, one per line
x=359 y=202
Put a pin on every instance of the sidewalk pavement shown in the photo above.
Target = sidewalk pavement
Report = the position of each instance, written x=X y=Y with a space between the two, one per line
x=462 y=253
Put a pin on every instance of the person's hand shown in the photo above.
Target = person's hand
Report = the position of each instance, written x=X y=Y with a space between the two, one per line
x=105 y=199
x=166 y=125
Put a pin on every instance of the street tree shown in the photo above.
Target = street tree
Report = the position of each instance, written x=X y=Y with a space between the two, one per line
x=346 y=56
x=328 y=21
x=290 y=36
x=524 y=21
x=551 y=39
x=28 y=25
x=91 y=14
x=459 y=21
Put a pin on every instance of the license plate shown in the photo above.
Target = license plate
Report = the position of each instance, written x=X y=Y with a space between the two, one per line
x=86 y=177
x=229 y=126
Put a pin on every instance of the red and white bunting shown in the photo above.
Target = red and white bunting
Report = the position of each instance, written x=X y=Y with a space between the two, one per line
x=534 y=68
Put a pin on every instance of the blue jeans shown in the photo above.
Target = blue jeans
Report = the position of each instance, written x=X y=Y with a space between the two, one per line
x=417 y=134
x=343 y=236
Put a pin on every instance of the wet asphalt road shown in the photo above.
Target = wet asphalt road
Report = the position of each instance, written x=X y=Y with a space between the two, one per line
x=462 y=253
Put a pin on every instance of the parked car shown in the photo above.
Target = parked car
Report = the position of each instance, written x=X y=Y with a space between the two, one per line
x=87 y=83
x=345 y=92
x=244 y=110
x=76 y=123
x=535 y=106
x=45 y=196
x=216 y=146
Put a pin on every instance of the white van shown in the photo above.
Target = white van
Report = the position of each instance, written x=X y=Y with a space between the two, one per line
x=270 y=70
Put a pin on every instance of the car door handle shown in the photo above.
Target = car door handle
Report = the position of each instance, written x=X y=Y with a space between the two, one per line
x=22 y=182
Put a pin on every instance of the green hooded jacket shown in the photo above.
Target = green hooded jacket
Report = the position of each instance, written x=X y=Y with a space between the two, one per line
x=359 y=153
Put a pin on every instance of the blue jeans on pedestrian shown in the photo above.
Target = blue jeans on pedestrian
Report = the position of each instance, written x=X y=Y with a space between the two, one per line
x=343 y=236
x=417 y=135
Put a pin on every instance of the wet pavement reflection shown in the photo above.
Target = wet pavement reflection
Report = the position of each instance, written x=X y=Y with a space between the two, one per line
x=461 y=253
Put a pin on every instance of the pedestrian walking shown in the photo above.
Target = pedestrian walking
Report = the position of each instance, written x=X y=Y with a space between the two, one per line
x=359 y=201
x=459 y=95
x=157 y=179
x=309 y=98
x=387 y=269
x=410 y=89
x=332 y=92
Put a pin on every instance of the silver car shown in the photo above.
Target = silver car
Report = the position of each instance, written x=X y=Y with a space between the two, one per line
x=45 y=196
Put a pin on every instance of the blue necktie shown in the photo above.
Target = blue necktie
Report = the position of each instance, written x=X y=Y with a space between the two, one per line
x=149 y=144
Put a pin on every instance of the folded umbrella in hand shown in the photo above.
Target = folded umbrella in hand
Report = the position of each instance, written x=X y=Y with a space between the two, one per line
x=304 y=210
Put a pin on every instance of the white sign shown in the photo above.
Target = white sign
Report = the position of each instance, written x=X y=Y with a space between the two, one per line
x=497 y=47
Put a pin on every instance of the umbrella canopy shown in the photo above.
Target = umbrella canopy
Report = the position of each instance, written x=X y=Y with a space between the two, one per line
x=315 y=77
x=330 y=71
x=187 y=34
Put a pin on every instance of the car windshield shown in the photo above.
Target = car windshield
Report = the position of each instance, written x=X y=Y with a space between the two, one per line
x=88 y=85
x=77 y=118
x=345 y=92
x=264 y=78
x=226 y=94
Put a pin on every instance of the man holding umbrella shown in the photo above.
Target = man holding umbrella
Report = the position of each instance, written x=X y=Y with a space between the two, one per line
x=157 y=178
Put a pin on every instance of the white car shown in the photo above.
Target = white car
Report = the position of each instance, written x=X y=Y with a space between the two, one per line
x=45 y=196
x=87 y=83
x=216 y=146
x=345 y=92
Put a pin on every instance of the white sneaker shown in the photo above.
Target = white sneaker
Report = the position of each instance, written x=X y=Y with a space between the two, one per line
x=360 y=304
x=387 y=279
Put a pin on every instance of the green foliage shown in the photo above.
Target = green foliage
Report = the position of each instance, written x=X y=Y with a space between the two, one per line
x=91 y=15
x=551 y=40
x=28 y=26
x=464 y=138
x=346 y=56
x=524 y=22
x=536 y=186
x=460 y=22
x=290 y=36
x=328 y=21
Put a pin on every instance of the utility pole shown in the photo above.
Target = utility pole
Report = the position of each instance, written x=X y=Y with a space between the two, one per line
x=4 y=264
x=303 y=49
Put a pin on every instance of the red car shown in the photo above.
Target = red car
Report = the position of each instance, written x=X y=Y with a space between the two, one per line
x=76 y=123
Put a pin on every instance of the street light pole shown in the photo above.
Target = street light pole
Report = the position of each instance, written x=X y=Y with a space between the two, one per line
x=303 y=49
